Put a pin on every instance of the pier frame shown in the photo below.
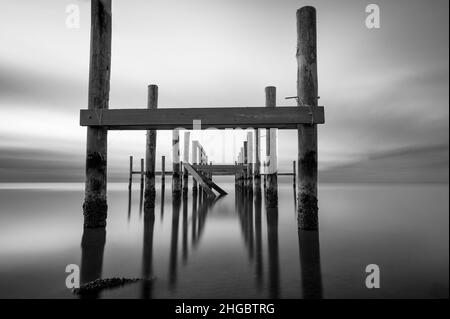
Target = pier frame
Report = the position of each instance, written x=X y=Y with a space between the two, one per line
x=99 y=119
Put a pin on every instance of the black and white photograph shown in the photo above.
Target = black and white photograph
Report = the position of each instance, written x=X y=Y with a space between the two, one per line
x=224 y=155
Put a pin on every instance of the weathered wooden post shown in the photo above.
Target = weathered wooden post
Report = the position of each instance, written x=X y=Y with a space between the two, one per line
x=142 y=174
x=250 y=159
x=163 y=169
x=242 y=178
x=176 y=176
x=186 y=160
x=95 y=207
x=130 y=177
x=194 y=162
x=246 y=163
x=271 y=151
x=257 y=159
x=150 y=152
x=307 y=133
x=265 y=175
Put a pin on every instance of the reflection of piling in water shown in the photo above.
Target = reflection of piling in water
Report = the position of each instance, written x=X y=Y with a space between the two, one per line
x=194 y=215
x=249 y=216
x=311 y=272
x=258 y=238
x=176 y=202
x=129 y=202
x=92 y=247
x=147 y=254
x=273 y=253
x=185 y=228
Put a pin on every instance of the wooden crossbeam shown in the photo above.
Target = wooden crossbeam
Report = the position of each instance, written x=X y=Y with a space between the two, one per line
x=220 y=118
x=220 y=169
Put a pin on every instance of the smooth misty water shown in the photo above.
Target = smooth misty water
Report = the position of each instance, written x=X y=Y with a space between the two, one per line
x=232 y=248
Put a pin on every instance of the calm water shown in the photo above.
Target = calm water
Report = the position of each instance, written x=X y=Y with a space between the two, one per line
x=231 y=248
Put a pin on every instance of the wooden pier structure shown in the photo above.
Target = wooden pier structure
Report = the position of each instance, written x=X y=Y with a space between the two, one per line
x=98 y=119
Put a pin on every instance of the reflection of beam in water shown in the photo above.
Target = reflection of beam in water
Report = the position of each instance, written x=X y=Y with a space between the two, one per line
x=147 y=254
x=185 y=226
x=92 y=247
x=272 y=242
x=311 y=273
x=258 y=238
x=176 y=202
x=163 y=189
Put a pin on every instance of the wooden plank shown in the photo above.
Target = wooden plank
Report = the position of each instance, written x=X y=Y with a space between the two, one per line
x=220 y=118
x=216 y=187
x=199 y=179
x=219 y=168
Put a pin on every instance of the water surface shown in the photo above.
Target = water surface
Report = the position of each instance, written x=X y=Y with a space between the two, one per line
x=230 y=248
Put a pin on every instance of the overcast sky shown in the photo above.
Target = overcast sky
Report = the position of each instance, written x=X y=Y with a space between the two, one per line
x=385 y=91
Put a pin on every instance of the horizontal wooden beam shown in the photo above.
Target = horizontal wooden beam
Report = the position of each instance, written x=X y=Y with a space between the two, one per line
x=220 y=118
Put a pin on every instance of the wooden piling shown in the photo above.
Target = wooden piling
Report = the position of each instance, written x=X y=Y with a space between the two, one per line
x=194 y=162
x=95 y=206
x=271 y=152
x=307 y=91
x=176 y=173
x=245 y=177
x=257 y=158
x=250 y=159
x=150 y=152
x=130 y=177
x=186 y=160
x=163 y=169
x=142 y=174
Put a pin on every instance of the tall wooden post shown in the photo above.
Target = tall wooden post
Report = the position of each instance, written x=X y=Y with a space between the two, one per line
x=257 y=158
x=163 y=169
x=194 y=162
x=186 y=160
x=176 y=174
x=95 y=207
x=271 y=152
x=246 y=163
x=250 y=159
x=307 y=133
x=150 y=152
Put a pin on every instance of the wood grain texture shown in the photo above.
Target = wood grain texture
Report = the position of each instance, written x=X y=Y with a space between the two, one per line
x=150 y=152
x=220 y=118
x=95 y=205
x=307 y=89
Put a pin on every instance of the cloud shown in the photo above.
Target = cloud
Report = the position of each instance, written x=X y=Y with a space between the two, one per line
x=426 y=163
